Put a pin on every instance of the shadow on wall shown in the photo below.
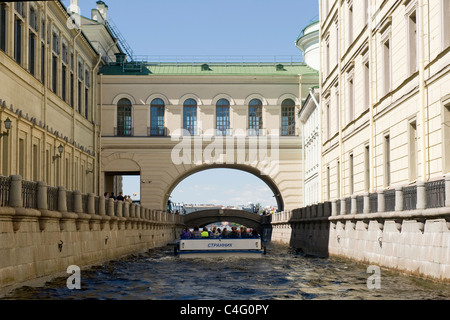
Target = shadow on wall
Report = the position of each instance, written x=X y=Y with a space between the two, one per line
x=305 y=229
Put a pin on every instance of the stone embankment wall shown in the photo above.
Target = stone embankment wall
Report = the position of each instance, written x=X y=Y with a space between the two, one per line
x=406 y=229
x=44 y=230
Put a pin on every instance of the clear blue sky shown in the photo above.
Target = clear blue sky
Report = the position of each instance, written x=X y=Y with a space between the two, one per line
x=211 y=27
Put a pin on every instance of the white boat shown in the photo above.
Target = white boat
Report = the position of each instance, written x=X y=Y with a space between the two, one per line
x=206 y=247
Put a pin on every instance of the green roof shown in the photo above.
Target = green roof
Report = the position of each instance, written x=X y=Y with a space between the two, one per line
x=198 y=69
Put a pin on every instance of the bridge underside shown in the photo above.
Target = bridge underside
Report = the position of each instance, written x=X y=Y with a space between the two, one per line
x=205 y=217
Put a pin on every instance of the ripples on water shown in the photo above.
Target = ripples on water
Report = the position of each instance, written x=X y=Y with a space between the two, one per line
x=283 y=274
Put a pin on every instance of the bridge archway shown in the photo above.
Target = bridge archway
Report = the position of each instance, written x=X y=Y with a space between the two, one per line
x=204 y=217
x=254 y=171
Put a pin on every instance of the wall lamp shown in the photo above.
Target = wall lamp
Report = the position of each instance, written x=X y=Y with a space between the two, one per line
x=60 y=150
x=8 y=123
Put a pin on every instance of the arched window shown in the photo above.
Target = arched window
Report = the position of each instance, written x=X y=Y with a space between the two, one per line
x=288 y=118
x=255 y=121
x=222 y=117
x=124 y=125
x=157 y=108
x=190 y=116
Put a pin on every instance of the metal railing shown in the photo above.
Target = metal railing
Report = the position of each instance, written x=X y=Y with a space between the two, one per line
x=225 y=60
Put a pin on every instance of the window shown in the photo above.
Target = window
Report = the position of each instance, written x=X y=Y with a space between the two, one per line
x=124 y=124
x=445 y=4
x=18 y=40
x=33 y=18
x=64 y=82
x=446 y=135
x=42 y=62
x=35 y=162
x=80 y=101
x=54 y=74
x=5 y=156
x=338 y=121
x=350 y=23
x=328 y=121
x=327 y=56
x=328 y=183
x=32 y=53
x=350 y=99
x=412 y=151
x=71 y=89
x=338 y=179
x=387 y=161
x=222 y=117
x=255 y=121
x=412 y=42
x=351 y=174
x=157 y=108
x=366 y=85
x=22 y=158
x=288 y=118
x=86 y=103
x=3 y=27
x=387 y=66
x=367 y=168
x=190 y=116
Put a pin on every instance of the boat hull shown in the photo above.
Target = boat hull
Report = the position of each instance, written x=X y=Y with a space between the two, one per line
x=216 y=248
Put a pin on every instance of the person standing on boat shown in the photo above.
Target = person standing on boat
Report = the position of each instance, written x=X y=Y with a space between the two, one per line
x=234 y=233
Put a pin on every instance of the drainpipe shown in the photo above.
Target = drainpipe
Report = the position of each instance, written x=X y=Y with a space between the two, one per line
x=320 y=106
x=422 y=89
x=94 y=118
x=371 y=111
x=341 y=164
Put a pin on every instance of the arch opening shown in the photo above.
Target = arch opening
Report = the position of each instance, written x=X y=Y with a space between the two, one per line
x=216 y=187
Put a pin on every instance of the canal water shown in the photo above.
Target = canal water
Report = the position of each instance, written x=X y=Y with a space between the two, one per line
x=282 y=274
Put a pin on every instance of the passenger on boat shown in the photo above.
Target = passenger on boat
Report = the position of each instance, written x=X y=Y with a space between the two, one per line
x=224 y=233
x=186 y=233
x=205 y=233
x=234 y=233
x=196 y=234
x=217 y=233
x=255 y=233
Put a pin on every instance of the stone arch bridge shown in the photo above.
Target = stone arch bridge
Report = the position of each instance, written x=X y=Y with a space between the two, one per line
x=204 y=217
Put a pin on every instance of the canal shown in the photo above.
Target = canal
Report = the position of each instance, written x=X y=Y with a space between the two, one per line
x=282 y=274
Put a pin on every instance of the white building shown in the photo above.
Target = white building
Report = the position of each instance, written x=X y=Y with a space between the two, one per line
x=309 y=117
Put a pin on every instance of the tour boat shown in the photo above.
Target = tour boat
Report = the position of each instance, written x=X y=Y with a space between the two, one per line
x=217 y=247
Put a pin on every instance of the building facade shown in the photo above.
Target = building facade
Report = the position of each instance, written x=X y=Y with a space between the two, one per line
x=145 y=106
x=309 y=116
x=385 y=90
x=48 y=78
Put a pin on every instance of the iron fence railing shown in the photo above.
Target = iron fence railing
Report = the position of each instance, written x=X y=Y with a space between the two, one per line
x=409 y=197
x=29 y=194
x=389 y=200
x=435 y=191
x=373 y=202
x=52 y=198
x=5 y=183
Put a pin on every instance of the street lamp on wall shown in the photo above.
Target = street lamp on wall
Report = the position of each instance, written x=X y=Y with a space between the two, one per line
x=8 y=123
x=60 y=150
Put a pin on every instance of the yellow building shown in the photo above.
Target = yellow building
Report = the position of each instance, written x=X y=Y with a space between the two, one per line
x=385 y=94
x=48 y=72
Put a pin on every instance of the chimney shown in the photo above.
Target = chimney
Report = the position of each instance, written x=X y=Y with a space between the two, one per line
x=103 y=9
x=74 y=7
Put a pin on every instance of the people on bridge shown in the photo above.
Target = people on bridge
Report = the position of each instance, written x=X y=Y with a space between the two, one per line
x=120 y=197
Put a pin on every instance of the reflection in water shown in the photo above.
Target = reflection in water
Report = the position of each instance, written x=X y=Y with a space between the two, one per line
x=282 y=274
